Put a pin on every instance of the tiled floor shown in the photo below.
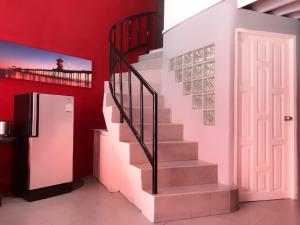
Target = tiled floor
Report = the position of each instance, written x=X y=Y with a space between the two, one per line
x=92 y=204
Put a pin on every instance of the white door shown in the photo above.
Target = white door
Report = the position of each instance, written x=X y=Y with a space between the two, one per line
x=263 y=100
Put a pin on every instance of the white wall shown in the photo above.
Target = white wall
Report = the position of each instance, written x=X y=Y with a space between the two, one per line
x=176 y=11
x=214 y=25
x=242 y=3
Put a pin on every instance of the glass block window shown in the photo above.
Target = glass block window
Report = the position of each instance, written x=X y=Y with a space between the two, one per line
x=178 y=62
x=209 y=101
x=178 y=76
x=197 y=102
x=209 y=117
x=188 y=59
x=187 y=73
x=210 y=52
x=198 y=55
x=187 y=88
x=209 y=69
x=209 y=84
x=198 y=71
x=197 y=86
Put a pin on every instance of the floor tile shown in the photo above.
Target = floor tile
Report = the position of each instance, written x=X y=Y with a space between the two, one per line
x=92 y=204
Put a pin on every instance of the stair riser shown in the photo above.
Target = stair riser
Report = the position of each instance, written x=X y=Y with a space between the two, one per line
x=195 y=205
x=154 y=55
x=166 y=152
x=165 y=132
x=152 y=64
x=181 y=176
x=164 y=115
x=148 y=100
x=152 y=76
x=135 y=88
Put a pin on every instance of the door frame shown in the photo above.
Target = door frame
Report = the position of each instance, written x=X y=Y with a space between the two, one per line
x=293 y=173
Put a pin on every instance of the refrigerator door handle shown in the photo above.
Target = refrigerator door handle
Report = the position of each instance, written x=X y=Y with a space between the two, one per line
x=35 y=115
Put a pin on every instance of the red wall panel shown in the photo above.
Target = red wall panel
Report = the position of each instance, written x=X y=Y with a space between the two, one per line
x=78 y=28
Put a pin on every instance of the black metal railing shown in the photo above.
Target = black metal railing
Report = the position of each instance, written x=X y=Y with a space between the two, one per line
x=134 y=34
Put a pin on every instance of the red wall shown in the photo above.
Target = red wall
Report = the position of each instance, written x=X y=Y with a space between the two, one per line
x=78 y=28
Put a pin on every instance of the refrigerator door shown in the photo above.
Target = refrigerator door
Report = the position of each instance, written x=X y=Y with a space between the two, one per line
x=51 y=153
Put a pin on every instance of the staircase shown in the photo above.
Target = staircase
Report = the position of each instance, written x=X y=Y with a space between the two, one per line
x=187 y=186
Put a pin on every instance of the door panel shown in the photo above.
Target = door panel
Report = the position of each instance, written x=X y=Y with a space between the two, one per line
x=262 y=103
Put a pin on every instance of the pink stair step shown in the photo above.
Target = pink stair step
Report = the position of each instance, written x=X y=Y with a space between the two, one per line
x=166 y=131
x=148 y=100
x=151 y=75
x=167 y=151
x=151 y=64
x=164 y=115
x=179 y=173
x=135 y=86
x=194 y=201
x=151 y=55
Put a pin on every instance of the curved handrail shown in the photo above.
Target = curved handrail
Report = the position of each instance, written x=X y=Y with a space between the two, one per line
x=126 y=36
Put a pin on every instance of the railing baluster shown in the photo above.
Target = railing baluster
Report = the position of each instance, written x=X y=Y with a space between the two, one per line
x=115 y=37
x=114 y=84
x=114 y=57
x=154 y=141
x=148 y=18
x=142 y=111
x=138 y=31
x=121 y=90
x=129 y=34
x=130 y=95
x=121 y=38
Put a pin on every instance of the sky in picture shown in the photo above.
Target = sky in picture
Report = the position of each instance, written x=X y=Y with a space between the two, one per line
x=26 y=57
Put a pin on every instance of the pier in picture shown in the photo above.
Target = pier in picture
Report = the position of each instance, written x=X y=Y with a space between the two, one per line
x=26 y=63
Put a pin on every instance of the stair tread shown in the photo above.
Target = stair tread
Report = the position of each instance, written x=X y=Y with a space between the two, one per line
x=137 y=125
x=159 y=124
x=175 y=164
x=155 y=50
x=146 y=107
x=165 y=142
x=192 y=189
x=147 y=61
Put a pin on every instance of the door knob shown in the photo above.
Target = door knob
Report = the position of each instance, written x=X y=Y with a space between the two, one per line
x=288 y=118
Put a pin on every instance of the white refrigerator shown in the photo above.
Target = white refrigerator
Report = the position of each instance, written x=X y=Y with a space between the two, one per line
x=44 y=125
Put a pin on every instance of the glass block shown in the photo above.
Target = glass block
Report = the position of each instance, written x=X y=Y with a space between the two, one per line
x=187 y=73
x=178 y=62
x=187 y=88
x=209 y=85
x=209 y=69
x=171 y=64
x=188 y=59
x=197 y=101
x=210 y=52
x=198 y=71
x=198 y=55
x=178 y=76
x=197 y=86
x=209 y=101
x=209 y=117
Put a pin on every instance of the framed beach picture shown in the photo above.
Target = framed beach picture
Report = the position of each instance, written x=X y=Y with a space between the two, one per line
x=26 y=63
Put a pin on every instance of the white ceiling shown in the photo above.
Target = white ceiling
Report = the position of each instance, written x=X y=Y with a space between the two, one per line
x=288 y=8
